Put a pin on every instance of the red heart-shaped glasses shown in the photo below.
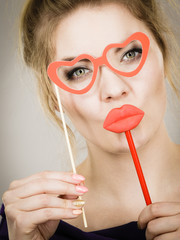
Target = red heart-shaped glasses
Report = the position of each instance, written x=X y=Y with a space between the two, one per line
x=78 y=75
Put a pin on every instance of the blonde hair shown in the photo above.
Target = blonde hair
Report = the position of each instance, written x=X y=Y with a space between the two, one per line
x=38 y=24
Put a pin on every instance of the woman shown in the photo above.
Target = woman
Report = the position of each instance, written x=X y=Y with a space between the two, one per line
x=61 y=31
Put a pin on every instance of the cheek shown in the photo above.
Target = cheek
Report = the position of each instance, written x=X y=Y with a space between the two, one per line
x=72 y=106
x=153 y=87
x=154 y=95
x=151 y=93
x=80 y=109
x=157 y=95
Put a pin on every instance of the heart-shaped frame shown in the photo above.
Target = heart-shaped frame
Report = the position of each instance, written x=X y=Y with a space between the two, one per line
x=96 y=62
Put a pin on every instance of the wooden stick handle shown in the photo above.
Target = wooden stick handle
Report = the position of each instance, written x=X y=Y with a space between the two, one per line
x=69 y=147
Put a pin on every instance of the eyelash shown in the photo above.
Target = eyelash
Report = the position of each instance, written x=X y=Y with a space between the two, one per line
x=69 y=74
x=138 y=50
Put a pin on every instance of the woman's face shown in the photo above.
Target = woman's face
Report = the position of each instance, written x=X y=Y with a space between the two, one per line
x=89 y=31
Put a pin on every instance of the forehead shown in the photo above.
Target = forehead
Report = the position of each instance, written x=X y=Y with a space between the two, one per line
x=90 y=29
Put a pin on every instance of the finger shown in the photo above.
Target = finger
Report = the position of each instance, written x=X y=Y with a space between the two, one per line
x=161 y=226
x=28 y=221
x=61 y=176
x=156 y=210
x=68 y=196
x=45 y=201
x=41 y=186
x=47 y=214
x=169 y=236
x=50 y=187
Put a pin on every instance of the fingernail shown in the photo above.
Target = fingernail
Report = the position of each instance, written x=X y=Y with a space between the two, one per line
x=77 y=212
x=78 y=177
x=81 y=189
x=78 y=203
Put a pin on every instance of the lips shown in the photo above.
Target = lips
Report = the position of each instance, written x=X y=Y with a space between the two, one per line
x=123 y=119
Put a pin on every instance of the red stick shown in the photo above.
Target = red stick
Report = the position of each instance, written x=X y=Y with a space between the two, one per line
x=138 y=167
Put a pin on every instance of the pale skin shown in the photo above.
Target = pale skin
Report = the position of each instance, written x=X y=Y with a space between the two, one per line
x=113 y=195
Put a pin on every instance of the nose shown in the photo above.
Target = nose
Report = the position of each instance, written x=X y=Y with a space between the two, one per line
x=112 y=86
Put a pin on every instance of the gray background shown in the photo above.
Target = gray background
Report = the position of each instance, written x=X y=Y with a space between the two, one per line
x=29 y=142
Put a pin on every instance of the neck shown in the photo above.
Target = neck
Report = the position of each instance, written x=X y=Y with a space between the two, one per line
x=116 y=171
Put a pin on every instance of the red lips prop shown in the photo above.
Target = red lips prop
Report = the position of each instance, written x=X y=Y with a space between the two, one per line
x=124 y=119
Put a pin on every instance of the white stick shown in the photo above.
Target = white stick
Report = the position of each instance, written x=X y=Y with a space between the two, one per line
x=69 y=145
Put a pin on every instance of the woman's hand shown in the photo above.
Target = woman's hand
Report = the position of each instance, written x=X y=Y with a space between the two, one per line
x=162 y=221
x=35 y=205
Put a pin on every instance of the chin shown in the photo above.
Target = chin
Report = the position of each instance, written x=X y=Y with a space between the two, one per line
x=140 y=137
x=118 y=145
x=123 y=147
x=143 y=138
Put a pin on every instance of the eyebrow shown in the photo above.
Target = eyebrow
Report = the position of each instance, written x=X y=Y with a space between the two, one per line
x=72 y=58
x=68 y=58
x=119 y=49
